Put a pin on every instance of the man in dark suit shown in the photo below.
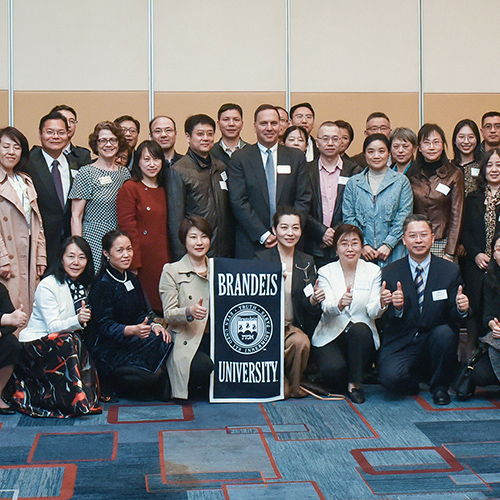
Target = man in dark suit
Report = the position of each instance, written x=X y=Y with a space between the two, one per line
x=163 y=130
x=230 y=122
x=303 y=115
x=329 y=174
x=81 y=156
x=421 y=325
x=131 y=129
x=262 y=176
x=52 y=173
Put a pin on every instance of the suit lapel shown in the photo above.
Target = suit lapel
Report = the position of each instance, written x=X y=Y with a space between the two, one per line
x=432 y=284
x=43 y=172
x=316 y=188
x=283 y=159
x=411 y=291
x=9 y=193
x=259 y=171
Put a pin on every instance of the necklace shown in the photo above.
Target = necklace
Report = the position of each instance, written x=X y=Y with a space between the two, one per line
x=116 y=279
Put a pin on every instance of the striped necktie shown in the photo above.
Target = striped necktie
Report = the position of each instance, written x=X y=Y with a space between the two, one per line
x=419 y=285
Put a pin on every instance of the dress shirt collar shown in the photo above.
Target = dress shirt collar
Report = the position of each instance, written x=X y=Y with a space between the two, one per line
x=425 y=264
x=263 y=149
x=338 y=165
x=62 y=160
x=227 y=150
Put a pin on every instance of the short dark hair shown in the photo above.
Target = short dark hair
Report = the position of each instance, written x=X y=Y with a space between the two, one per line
x=282 y=210
x=128 y=118
x=427 y=129
x=197 y=222
x=481 y=181
x=161 y=116
x=64 y=107
x=53 y=115
x=292 y=128
x=229 y=106
x=301 y=105
x=347 y=126
x=466 y=122
x=113 y=127
x=194 y=120
x=88 y=273
x=15 y=135
x=155 y=151
x=489 y=114
x=376 y=137
x=416 y=218
x=347 y=229
x=264 y=107
x=281 y=107
x=377 y=114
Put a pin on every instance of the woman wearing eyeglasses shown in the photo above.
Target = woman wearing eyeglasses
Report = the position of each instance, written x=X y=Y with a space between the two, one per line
x=438 y=190
x=94 y=191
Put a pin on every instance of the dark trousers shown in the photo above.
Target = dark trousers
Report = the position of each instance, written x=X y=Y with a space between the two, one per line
x=346 y=358
x=201 y=368
x=432 y=354
x=483 y=373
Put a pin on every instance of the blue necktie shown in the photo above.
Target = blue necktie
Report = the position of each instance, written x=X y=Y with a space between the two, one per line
x=419 y=285
x=271 y=183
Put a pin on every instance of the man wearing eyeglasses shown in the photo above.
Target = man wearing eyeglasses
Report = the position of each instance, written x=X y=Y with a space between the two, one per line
x=81 y=156
x=329 y=174
x=490 y=130
x=376 y=123
x=163 y=130
x=52 y=173
x=131 y=129
x=303 y=115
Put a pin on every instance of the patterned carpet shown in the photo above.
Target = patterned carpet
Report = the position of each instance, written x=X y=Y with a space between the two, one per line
x=388 y=449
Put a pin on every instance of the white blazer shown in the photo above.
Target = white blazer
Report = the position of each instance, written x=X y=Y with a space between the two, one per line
x=53 y=311
x=364 y=308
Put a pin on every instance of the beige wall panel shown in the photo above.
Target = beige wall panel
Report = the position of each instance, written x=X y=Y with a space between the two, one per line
x=220 y=45
x=460 y=38
x=75 y=45
x=4 y=44
x=354 y=46
x=4 y=108
x=180 y=105
x=448 y=109
x=92 y=107
x=402 y=109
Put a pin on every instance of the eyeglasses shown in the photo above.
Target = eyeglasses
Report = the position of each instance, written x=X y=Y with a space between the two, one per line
x=326 y=139
x=490 y=126
x=72 y=122
x=414 y=236
x=435 y=143
x=382 y=129
x=103 y=141
x=130 y=130
x=300 y=117
x=61 y=133
x=158 y=131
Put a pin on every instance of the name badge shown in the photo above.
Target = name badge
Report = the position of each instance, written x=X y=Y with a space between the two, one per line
x=362 y=285
x=474 y=171
x=443 y=188
x=223 y=175
x=343 y=180
x=128 y=286
x=105 y=180
x=284 y=169
x=223 y=185
x=73 y=172
x=308 y=290
x=439 y=295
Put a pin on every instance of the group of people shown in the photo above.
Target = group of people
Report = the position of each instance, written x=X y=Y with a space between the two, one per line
x=103 y=260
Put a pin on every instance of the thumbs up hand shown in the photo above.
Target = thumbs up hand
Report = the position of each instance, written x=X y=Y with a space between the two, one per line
x=398 y=297
x=198 y=311
x=84 y=315
x=494 y=324
x=18 y=318
x=319 y=294
x=385 y=295
x=346 y=299
x=462 y=300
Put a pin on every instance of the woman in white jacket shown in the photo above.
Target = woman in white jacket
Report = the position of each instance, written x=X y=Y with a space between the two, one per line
x=346 y=338
x=55 y=376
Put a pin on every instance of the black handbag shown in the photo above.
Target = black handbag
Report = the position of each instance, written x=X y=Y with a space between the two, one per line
x=464 y=387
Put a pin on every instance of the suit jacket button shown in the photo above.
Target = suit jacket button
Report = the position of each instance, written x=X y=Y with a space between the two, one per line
x=9 y=237
x=5 y=218
x=190 y=297
x=185 y=342
x=11 y=256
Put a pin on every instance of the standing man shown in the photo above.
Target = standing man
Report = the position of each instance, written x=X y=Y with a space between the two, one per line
x=230 y=122
x=490 y=130
x=263 y=176
x=81 y=156
x=422 y=323
x=376 y=123
x=131 y=129
x=303 y=114
x=52 y=173
x=163 y=130
x=284 y=122
x=198 y=186
x=329 y=174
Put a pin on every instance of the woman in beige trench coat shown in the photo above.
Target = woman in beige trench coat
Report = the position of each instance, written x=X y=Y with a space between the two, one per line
x=184 y=293
x=22 y=242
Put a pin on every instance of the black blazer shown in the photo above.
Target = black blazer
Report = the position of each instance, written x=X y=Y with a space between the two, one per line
x=220 y=154
x=249 y=194
x=305 y=315
x=315 y=229
x=443 y=275
x=56 y=219
x=79 y=155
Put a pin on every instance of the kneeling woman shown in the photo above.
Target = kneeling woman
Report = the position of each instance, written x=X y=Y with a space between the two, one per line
x=128 y=346
x=302 y=295
x=346 y=338
x=55 y=376
x=184 y=294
